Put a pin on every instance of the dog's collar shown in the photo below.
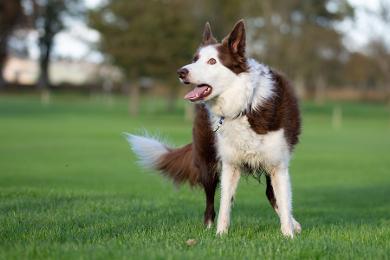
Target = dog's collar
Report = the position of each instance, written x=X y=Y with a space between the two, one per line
x=222 y=119
x=220 y=123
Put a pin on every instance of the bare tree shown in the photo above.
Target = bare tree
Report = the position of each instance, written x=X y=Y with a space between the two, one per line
x=10 y=16
x=49 y=18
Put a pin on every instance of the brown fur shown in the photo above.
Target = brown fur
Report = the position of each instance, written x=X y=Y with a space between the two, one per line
x=281 y=111
x=205 y=159
x=270 y=192
x=232 y=50
x=177 y=164
x=208 y=37
x=195 y=163
x=204 y=144
x=189 y=162
x=234 y=62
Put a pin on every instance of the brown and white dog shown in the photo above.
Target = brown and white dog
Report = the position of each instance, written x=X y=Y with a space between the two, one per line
x=247 y=117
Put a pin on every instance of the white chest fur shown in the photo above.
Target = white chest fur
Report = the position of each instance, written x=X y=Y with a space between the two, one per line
x=237 y=143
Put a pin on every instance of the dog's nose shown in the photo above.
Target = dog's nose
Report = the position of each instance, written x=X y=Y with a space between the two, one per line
x=183 y=72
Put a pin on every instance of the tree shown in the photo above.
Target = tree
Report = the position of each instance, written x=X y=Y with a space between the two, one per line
x=148 y=39
x=49 y=18
x=297 y=37
x=300 y=38
x=153 y=38
x=361 y=70
x=10 y=15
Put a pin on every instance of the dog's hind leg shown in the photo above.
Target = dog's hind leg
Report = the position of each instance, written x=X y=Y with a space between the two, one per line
x=270 y=193
x=209 y=188
x=271 y=197
x=280 y=181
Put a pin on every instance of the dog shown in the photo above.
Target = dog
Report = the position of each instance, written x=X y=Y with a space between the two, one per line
x=247 y=118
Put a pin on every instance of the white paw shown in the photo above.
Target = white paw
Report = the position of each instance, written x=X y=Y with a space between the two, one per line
x=222 y=227
x=287 y=230
x=297 y=227
x=209 y=224
x=222 y=231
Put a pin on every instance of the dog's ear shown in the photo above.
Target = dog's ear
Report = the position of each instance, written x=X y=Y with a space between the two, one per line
x=236 y=39
x=208 y=37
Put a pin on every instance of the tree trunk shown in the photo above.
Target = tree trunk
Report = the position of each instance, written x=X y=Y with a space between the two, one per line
x=300 y=87
x=46 y=43
x=10 y=14
x=320 y=88
x=2 y=80
x=46 y=46
x=3 y=57
x=387 y=93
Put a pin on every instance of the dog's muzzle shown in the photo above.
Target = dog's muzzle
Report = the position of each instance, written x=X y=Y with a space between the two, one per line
x=183 y=73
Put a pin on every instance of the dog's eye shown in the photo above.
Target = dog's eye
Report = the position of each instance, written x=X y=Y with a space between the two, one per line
x=196 y=58
x=211 y=61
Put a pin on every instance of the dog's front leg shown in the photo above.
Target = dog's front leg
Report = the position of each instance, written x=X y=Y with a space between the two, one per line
x=229 y=179
x=271 y=197
x=280 y=180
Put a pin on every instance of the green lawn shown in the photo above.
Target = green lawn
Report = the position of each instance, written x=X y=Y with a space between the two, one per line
x=70 y=187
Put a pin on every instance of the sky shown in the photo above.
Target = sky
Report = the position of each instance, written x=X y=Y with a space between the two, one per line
x=366 y=26
x=76 y=42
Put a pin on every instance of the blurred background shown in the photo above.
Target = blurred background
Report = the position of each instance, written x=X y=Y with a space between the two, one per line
x=76 y=74
x=331 y=50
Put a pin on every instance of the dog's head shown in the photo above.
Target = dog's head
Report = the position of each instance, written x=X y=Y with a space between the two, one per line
x=215 y=65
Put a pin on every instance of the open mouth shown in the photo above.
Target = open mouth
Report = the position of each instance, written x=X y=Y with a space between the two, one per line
x=199 y=92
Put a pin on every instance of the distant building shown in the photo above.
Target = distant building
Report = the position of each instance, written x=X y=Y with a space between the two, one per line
x=22 y=71
x=26 y=71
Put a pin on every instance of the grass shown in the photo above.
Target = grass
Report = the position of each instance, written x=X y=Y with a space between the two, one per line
x=70 y=187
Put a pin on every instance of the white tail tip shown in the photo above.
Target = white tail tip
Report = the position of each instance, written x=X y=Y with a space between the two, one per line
x=147 y=149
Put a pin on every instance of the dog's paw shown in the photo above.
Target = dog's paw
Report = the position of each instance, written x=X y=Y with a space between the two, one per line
x=221 y=232
x=287 y=230
x=209 y=224
x=297 y=227
x=222 y=225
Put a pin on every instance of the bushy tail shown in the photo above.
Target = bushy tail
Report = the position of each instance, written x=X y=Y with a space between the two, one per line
x=174 y=163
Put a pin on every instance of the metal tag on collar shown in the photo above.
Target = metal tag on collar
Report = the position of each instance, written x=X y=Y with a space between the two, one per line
x=220 y=122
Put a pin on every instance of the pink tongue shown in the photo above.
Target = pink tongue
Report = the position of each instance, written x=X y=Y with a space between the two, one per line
x=196 y=93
